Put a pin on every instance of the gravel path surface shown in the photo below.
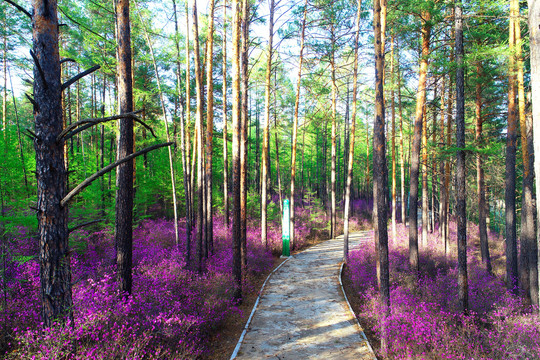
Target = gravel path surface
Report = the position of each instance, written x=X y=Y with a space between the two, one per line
x=302 y=313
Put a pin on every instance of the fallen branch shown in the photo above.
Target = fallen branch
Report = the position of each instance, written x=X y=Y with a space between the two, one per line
x=79 y=76
x=20 y=8
x=106 y=169
x=83 y=225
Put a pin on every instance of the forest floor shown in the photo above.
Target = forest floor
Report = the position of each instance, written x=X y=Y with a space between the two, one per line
x=302 y=312
x=226 y=338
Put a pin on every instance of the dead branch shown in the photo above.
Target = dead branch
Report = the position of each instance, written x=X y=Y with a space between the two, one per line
x=70 y=131
x=70 y=230
x=31 y=134
x=20 y=8
x=68 y=59
x=32 y=101
x=108 y=168
x=40 y=70
x=79 y=76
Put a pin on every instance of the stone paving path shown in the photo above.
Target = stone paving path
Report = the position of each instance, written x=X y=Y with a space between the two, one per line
x=302 y=313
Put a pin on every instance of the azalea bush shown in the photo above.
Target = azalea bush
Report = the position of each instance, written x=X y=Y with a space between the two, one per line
x=425 y=322
x=172 y=312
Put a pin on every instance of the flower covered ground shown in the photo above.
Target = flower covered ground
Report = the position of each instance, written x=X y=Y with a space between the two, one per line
x=173 y=313
x=424 y=321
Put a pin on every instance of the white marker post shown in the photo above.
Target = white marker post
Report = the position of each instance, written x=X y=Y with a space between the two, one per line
x=286 y=228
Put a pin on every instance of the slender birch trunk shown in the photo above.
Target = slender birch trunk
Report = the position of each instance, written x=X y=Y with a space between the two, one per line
x=295 y=128
x=266 y=134
x=352 y=139
x=209 y=130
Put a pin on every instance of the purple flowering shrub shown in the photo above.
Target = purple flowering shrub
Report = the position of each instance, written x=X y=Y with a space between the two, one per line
x=172 y=310
x=425 y=322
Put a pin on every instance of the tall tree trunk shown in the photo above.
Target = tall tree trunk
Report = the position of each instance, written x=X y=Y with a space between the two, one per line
x=527 y=203
x=225 y=141
x=415 y=154
x=402 y=152
x=460 y=165
x=347 y=208
x=393 y=85
x=510 y=180
x=200 y=149
x=244 y=124
x=447 y=174
x=124 y=174
x=266 y=134
x=425 y=189
x=55 y=271
x=209 y=130
x=183 y=149
x=236 y=121
x=481 y=186
x=380 y=214
x=534 y=38
x=4 y=93
x=295 y=128
x=333 y=154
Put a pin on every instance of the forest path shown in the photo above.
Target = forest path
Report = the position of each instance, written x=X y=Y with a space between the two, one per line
x=302 y=313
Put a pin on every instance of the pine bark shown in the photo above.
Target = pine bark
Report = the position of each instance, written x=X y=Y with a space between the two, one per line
x=510 y=179
x=55 y=271
x=236 y=121
x=527 y=235
x=124 y=174
x=480 y=178
x=415 y=151
x=244 y=124
x=200 y=146
x=393 y=96
x=534 y=38
x=380 y=215
x=463 y=291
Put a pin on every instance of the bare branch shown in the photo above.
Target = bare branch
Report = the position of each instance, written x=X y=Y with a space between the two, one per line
x=31 y=99
x=108 y=168
x=79 y=76
x=41 y=73
x=67 y=59
x=31 y=134
x=70 y=230
x=20 y=8
x=74 y=129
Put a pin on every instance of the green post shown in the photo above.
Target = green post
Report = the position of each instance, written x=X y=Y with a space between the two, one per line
x=285 y=225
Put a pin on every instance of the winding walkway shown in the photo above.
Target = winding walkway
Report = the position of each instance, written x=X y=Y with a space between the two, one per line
x=302 y=313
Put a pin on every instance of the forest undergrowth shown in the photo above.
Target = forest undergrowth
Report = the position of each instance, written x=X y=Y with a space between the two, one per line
x=425 y=322
x=173 y=312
